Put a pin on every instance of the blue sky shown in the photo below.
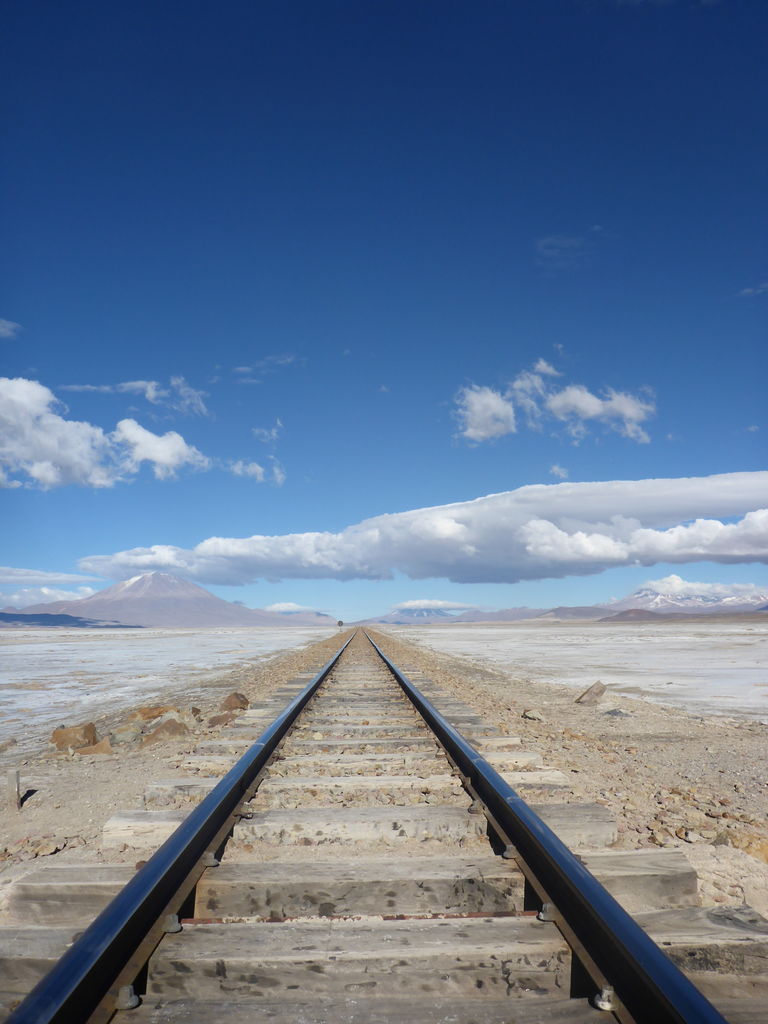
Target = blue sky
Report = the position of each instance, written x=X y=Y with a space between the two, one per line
x=278 y=269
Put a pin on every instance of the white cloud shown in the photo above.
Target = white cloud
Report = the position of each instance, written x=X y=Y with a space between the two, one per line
x=258 y=472
x=536 y=532
x=559 y=472
x=621 y=411
x=47 y=449
x=287 y=606
x=545 y=368
x=545 y=541
x=187 y=399
x=179 y=395
x=269 y=364
x=562 y=252
x=268 y=435
x=527 y=392
x=166 y=452
x=576 y=401
x=683 y=588
x=753 y=429
x=39 y=447
x=759 y=289
x=9 y=329
x=6 y=483
x=274 y=362
x=101 y=389
x=252 y=469
x=43 y=595
x=279 y=476
x=706 y=539
x=484 y=413
x=151 y=389
x=430 y=604
x=38 y=577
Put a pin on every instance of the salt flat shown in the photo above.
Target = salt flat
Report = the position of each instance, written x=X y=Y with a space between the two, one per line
x=673 y=778
x=54 y=676
x=709 y=667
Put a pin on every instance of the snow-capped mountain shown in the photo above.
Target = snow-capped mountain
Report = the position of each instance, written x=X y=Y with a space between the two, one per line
x=411 y=617
x=163 y=600
x=673 y=594
x=668 y=596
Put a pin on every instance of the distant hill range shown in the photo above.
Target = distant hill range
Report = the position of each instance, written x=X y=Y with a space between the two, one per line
x=644 y=615
x=647 y=604
x=706 y=602
x=411 y=617
x=435 y=616
x=13 y=618
x=158 y=599
x=161 y=600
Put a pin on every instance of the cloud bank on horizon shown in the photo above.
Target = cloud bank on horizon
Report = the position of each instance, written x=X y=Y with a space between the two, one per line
x=432 y=604
x=39 y=595
x=678 y=587
x=534 y=532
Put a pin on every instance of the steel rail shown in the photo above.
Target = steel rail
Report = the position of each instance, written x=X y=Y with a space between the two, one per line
x=648 y=986
x=82 y=985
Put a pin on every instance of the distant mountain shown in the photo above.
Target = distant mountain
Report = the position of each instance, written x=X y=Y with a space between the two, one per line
x=674 y=594
x=643 y=615
x=437 y=616
x=637 y=615
x=159 y=599
x=567 y=612
x=162 y=600
x=410 y=617
x=502 y=615
x=659 y=599
x=305 y=617
x=10 y=618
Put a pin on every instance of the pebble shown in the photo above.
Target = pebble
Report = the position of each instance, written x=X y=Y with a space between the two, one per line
x=533 y=715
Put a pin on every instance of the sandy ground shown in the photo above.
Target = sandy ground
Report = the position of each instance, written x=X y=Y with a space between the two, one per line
x=672 y=778
x=70 y=796
x=698 y=782
x=46 y=673
x=701 y=665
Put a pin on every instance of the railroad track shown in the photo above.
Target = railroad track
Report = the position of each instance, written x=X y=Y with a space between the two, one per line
x=377 y=854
